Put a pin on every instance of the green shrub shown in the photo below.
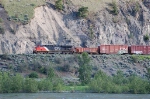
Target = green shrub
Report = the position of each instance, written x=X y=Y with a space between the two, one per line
x=45 y=85
x=66 y=67
x=146 y=37
x=5 y=56
x=82 y=12
x=50 y=73
x=91 y=32
x=58 y=60
x=59 y=4
x=118 y=83
x=2 y=30
x=32 y=4
x=1 y=20
x=30 y=85
x=33 y=75
x=136 y=8
x=115 y=10
x=85 y=68
x=148 y=73
x=57 y=85
x=12 y=31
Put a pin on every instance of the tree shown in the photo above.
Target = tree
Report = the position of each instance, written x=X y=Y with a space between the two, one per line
x=84 y=68
x=50 y=73
x=45 y=85
x=138 y=85
x=59 y=4
x=17 y=83
x=30 y=85
x=119 y=78
x=82 y=12
x=6 y=83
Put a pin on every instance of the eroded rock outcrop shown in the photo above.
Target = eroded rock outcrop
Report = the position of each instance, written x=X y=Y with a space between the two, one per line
x=52 y=27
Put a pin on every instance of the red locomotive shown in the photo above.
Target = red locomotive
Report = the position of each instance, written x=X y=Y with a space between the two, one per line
x=51 y=49
x=102 y=49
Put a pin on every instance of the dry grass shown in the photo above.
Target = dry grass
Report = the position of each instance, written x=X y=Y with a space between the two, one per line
x=95 y=5
x=21 y=9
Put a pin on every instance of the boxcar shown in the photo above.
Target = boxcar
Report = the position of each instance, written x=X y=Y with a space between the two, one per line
x=113 y=49
x=139 y=49
x=88 y=50
x=78 y=50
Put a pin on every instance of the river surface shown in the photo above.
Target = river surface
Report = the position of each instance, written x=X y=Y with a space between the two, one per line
x=72 y=96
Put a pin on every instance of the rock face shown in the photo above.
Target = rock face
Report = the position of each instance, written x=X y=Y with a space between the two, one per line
x=52 y=27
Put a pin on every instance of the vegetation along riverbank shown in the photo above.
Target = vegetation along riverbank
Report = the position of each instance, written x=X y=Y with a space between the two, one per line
x=73 y=73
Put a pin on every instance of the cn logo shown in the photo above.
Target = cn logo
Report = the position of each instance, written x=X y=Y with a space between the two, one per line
x=56 y=48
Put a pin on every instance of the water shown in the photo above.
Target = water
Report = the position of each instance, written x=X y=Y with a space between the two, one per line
x=72 y=96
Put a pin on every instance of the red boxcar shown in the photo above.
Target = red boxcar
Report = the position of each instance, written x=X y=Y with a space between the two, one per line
x=113 y=49
x=139 y=49
x=78 y=50
x=88 y=50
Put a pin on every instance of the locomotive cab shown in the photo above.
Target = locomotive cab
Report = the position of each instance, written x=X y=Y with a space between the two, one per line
x=40 y=49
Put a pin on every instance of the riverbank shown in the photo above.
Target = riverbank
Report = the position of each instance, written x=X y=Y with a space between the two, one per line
x=66 y=71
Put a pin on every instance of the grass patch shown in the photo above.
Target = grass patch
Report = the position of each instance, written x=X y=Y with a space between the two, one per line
x=21 y=10
x=140 y=57
x=93 y=5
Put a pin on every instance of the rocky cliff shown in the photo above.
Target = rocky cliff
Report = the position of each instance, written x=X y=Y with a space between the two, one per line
x=50 y=26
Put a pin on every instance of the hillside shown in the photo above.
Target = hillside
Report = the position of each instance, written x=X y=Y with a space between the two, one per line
x=50 y=26
x=66 y=66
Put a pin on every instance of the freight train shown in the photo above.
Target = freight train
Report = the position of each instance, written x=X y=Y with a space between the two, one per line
x=102 y=49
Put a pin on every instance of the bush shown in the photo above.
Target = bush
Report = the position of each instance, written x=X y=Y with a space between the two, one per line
x=33 y=75
x=85 y=68
x=146 y=37
x=5 y=56
x=2 y=30
x=51 y=73
x=30 y=85
x=114 y=8
x=66 y=67
x=82 y=12
x=45 y=85
x=58 y=60
x=57 y=85
x=59 y=5
x=119 y=83
x=32 y=4
x=136 y=8
x=1 y=20
x=12 y=31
